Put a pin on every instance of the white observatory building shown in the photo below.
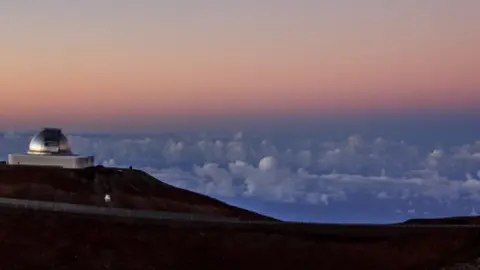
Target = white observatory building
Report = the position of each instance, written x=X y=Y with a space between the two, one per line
x=50 y=147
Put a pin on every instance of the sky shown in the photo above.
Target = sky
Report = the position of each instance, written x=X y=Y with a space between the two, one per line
x=147 y=65
x=331 y=111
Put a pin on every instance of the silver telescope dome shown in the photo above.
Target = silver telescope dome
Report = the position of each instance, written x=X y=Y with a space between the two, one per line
x=50 y=141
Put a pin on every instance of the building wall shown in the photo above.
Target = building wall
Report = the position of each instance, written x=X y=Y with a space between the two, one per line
x=73 y=162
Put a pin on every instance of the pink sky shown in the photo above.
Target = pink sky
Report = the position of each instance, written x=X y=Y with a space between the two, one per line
x=90 y=61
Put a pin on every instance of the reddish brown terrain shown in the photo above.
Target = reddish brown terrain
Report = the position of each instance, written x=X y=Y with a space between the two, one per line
x=51 y=240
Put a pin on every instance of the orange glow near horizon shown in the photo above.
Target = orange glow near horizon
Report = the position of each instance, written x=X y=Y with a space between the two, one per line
x=87 y=61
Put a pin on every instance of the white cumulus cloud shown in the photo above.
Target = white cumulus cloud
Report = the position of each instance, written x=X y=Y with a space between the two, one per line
x=306 y=170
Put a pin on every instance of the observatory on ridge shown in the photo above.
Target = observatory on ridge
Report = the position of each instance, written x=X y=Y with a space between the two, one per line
x=50 y=147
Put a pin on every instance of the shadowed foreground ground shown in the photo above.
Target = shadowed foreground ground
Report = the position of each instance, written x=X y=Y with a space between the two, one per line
x=47 y=240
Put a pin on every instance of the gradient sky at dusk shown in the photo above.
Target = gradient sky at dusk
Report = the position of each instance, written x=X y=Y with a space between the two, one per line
x=100 y=63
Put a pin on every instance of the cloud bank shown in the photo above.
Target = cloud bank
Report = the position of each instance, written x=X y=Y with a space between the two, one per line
x=300 y=170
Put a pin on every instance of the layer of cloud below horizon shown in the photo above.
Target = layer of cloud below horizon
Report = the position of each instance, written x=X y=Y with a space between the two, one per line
x=302 y=171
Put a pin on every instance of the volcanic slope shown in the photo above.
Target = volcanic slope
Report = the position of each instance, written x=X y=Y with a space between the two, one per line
x=51 y=240
x=39 y=239
x=127 y=188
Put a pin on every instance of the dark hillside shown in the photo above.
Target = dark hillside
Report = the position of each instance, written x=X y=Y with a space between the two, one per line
x=49 y=240
x=35 y=239
x=127 y=188
x=446 y=221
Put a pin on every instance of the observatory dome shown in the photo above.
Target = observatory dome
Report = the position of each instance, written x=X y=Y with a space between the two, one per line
x=50 y=141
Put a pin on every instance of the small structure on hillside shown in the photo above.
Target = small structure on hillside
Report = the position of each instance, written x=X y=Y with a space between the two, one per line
x=50 y=147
